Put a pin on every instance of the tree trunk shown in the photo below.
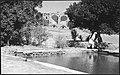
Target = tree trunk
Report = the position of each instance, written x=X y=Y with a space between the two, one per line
x=99 y=38
x=8 y=42
x=100 y=41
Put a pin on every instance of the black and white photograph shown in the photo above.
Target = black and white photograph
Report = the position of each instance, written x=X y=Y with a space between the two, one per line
x=60 y=36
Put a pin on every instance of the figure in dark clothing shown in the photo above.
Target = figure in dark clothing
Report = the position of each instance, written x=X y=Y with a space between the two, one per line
x=98 y=41
x=99 y=37
x=80 y=37
x=87 y=39
x=95 y=39
x=74 y=34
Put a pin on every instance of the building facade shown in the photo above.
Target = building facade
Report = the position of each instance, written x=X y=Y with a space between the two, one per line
x=58 y=19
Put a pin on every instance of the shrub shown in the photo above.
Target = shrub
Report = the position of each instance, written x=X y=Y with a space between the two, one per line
x=76 y=44
x=70 y=25
x=106 y=29
x=102 y=45
x=61 y=41
x=39 y=33
x=34 y=31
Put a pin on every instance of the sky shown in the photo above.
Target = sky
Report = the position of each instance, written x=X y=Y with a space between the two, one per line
x=54 y=6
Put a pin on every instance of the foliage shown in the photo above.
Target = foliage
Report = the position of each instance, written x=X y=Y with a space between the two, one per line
x=34 y=31
x=39 y=33
x=76 y=44
x=61 y=41
x=70 y=24
x=102 y=45
x=46 y=22
x=107 y=30
x=15 y=14
x=92 y=14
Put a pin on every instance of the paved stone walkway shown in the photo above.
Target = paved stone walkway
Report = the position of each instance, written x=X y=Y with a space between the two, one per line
x=10 y=65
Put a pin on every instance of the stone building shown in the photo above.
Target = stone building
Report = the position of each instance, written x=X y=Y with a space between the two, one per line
x=58 y=19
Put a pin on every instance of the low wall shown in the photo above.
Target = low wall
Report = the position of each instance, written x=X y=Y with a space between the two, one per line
x=38 y=53
x=32 y=52
x=78 y=43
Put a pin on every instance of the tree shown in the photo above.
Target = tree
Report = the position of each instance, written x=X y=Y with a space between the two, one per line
x=16 y=14
x=70 y=24
x=96 y=15
x=102 y=16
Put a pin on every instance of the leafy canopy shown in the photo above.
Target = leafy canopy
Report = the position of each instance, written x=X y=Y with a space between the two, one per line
x=15 y=14
x=96 y=15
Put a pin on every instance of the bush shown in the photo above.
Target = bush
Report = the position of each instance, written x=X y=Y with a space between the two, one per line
x=102 y=45
x=39 y=33
x=76 y=44
x=106 y=30
x=34 y=31
x=61 y=41
x=70 y=25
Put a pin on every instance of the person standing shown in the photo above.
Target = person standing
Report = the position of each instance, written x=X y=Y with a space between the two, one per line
x=74 y=34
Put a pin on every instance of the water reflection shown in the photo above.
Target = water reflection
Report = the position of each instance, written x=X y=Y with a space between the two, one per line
x=87 y=62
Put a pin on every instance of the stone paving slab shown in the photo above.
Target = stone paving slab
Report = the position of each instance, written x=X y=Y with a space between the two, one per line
x=15 y=65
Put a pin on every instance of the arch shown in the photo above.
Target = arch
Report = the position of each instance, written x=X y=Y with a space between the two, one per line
x=63 y=18
x=55 y=18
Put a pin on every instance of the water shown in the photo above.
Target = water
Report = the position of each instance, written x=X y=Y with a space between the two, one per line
x=92 y=63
